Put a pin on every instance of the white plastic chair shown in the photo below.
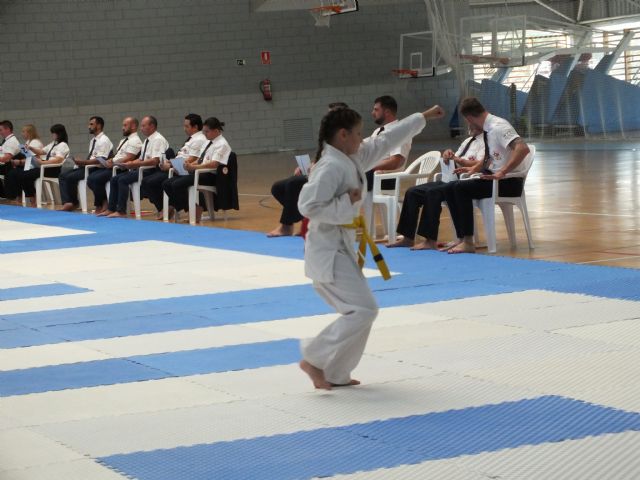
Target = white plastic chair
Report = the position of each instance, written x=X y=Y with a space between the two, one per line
x=506 y=204
x=165 y=200
x=135 y=190
x=47 y=183
x=421 y=169
x=194 y=196
x=82 y=189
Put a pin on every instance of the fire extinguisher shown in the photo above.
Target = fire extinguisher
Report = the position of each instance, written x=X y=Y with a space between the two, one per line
x=265 y=88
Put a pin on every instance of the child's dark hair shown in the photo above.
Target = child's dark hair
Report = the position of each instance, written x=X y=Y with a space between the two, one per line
x=333 y=121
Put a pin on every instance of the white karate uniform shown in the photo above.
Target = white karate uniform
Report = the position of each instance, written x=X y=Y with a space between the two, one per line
x=330 y=256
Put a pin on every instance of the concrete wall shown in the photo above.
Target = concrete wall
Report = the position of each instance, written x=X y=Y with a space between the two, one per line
x=65 y=60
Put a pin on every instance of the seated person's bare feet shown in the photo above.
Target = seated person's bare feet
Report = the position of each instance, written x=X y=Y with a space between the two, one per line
x=401 y=242
x=445 y=247
x=116 y=215
x=426 y=244
x=68 y=207
x=104 y=213
x=281 y=231
x=316 y=375
x=463 y=247
x=351 y=383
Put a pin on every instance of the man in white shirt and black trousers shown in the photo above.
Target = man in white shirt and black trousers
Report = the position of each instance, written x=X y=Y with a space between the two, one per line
x=99 y=146
x=506 y=153
x=153 y=148
x=128 y=149
x=151 y=187
x=9 y=148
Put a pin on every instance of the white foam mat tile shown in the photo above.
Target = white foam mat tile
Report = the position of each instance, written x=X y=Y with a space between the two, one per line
x=624 y=332
x=11 y=231
x=496 y=304
x=370 y=402
x=436 y=333
x=497 y=352
x=176 y=341
x=109 y=400
x=22 y=448
x=85 y=469
x=42 y=355
x=14 y=280
x=303 y=327
x=568 y=315
x=609 y=379
x=436 y=469
x=290 y=380
x=613 y=456
x=169 y=429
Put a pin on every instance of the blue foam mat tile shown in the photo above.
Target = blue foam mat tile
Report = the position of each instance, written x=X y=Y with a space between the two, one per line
x=76 y=375
x=326 y=452
x=624 y=287
x=26 y=337
x=38 y=291
x=7 y=325
x=303 y=455
x=223 y=359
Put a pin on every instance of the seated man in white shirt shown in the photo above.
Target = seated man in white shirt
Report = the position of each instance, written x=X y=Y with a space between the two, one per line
x=128 y=149
x=151 y=187
x=506 y=152
x=215 y=152
x=99 y=147
x=153 y=148
x=9 y=148
x=429 y=196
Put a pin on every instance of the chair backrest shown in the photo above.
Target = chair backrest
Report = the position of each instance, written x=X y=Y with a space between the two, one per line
x=429 y=163
x=527 y=163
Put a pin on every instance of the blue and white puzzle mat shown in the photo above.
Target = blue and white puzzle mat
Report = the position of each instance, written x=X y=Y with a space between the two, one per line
x=164 y=352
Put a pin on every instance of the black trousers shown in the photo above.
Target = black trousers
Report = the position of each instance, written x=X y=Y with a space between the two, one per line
x=462 y=193
x=69 y=184
x=97 y=182
x=119 y=194
x=5 y=168
x=386 y=184
x=28 y=178
x=429 y=196
x=12 y=182
x=151 y=187
x=177 y=188
x=287 y=191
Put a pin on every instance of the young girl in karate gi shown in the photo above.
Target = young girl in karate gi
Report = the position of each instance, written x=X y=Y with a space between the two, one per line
x=331 y=199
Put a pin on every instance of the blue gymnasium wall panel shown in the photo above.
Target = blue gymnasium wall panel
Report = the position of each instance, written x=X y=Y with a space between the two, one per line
x=495 y=98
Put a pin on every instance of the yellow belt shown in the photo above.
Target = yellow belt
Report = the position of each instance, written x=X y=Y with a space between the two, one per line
x=358 y=222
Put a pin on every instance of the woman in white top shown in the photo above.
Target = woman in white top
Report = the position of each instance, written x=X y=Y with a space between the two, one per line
x=12 y=180
x=54 y=153
x=332 y=199
x=215 y=151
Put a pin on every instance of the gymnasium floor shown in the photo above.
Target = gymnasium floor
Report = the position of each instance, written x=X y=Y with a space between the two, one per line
x=137 y=349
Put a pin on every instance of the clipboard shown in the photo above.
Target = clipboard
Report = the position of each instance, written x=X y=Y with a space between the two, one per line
x=178 y=164
x=304 y=163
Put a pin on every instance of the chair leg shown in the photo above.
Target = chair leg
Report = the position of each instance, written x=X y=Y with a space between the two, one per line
x=135 y=192
x=82 y=195
x=165 y=207
x=193 y=201
x=489 y=219
x=507 y=213
x=38 y=185
x=208 y=200
x=392 y=211
x=525 y=218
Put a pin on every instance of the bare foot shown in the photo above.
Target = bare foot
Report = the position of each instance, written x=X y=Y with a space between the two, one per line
x=160 y=215
x=315 y=374
x=281 y=231
x=425 y=245
x=351 y=383
x=104 y=213
x=402 y=242
x=445 y=247
x=68 y=207
x=116 y=215
x=463 y=247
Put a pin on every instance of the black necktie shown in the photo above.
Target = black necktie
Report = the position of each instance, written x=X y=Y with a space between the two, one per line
x=380 y=130
x=144 y=150
x=204 y=151
x=93 y=145
x=467 y=146
x=487 y=155
x=2 y=142
x=121 y=145
x=51 y=151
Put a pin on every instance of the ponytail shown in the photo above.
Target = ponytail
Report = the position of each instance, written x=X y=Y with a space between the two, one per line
x=333 y=121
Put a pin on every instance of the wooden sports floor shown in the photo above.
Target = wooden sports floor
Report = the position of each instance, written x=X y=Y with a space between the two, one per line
x=583 y=198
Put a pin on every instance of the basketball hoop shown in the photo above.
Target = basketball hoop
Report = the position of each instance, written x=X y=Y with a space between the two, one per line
x=322 y=14
x=405 y=72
